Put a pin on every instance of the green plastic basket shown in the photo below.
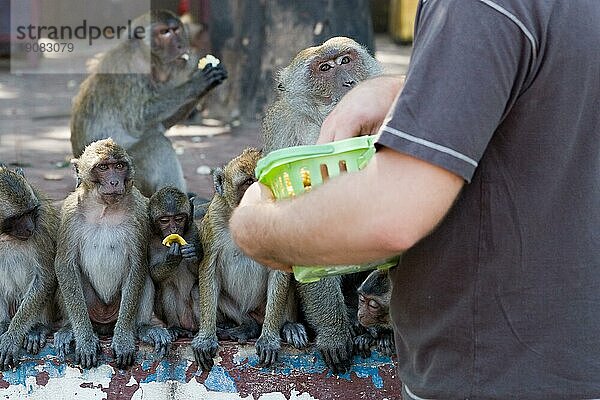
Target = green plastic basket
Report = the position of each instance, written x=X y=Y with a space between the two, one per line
x=296 y=170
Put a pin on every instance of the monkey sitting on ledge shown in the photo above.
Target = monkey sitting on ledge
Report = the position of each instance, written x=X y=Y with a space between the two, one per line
x=101 y=260
x=374 y=314
x=174 y=269
x=27 y=279
x=235 y=287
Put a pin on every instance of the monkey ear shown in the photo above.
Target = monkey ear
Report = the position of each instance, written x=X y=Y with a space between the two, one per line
x=19 y=171
x=75 y=163
x=218 y=177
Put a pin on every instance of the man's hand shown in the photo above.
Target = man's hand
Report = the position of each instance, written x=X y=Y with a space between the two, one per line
x=256 y=194
x=240 y=224
x=362 y=110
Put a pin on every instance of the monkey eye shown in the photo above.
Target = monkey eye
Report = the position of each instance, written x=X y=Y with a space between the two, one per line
x=345 y=60
x=361 y=298
x=102 y=167
x=374 y=305
x=180 y=218
x=120 y=165
x=164 y=220
x=249 y=181
x=324 y=67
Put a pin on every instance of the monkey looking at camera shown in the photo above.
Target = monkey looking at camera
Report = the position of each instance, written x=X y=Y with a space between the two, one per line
x=309 y=88
x=140 y=89
x=233 y=286
x=27 y=279
x=374 y=314
x=101 y=260
x=174 y=269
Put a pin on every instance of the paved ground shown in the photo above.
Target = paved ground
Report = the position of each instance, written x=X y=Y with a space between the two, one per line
x=34 y=129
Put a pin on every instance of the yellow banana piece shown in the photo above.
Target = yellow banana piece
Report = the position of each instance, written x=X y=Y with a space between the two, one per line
x=173 y=238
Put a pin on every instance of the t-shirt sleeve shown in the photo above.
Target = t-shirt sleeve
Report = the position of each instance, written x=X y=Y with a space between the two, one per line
x=468 y=66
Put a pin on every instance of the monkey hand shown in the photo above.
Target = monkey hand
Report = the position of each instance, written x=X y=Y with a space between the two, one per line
x=205 y=349
x=86 y=352
x=188 y=251
x=10 y=350
x=385 y=342
x=337 y=354
x=362 y=345
x=174 y=255
x=123 y=347
x=267 y=349
x=159 y=337
x=208 y=78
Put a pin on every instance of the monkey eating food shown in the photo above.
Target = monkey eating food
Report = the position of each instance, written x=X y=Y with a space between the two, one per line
x=174 y=261
x=27 y=278
x=140 y=89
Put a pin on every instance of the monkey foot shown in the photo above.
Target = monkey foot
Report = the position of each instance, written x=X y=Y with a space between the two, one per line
x=241 y=334
x=35 y=339
x=295 y=334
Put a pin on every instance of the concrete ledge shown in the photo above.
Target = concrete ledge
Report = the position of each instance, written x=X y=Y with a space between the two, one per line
x=298 y=375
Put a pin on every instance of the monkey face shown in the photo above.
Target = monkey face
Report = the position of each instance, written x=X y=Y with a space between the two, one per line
x=111 y=176
x=169 y=40
x=371 y=312
x=21 y=226
x=169 y=224
x=19 y=204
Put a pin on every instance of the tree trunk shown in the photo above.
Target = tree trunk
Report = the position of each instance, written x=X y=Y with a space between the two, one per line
x=256 y=38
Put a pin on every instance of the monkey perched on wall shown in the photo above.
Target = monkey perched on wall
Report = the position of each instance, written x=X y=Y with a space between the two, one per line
x=309 y=88
x=174 y=269
x=234 y=286
x=140 y=89
x=101 y=260
x=374 y=314
x=27 y=278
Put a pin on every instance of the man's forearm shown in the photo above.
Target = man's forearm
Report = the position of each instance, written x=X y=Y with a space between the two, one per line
x=365 y=216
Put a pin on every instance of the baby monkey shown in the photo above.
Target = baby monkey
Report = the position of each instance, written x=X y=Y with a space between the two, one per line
x=374 y=314
x=174 y=269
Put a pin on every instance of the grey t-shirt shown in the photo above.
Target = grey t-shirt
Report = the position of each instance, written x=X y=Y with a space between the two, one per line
x=502 y=300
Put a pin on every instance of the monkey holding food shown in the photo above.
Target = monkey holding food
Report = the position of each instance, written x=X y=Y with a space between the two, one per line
x=101 y=260
x=374 y=314
x=232 y=285
x=27 y=278
x=140 y=89
x=308 y=90
x=175 y=251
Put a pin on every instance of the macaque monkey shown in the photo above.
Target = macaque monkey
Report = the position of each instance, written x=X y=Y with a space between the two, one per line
x=102 y=260
x=235 y=287
x=137 y=91
x=308 y=90
x=174 y=269
x=374 y=314
x=27 y=279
